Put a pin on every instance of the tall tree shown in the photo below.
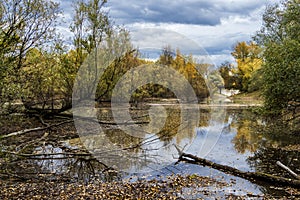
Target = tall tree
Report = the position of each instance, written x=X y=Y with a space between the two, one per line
x=24 y=24
x=280 y=38
x=91 y=26
x=48 y=78
x=167 y=56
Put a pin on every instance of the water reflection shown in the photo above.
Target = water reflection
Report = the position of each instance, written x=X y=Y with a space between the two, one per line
x=56 y=163
x=254 y=132
x=154 y=148
x=49 y=163
x=244 y=141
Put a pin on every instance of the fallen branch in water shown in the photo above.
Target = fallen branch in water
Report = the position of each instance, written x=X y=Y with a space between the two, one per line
x=45 y=155
x=17 y=133
x=236 y=172
x=47 y=126
x=288 y=170
x=93 y=119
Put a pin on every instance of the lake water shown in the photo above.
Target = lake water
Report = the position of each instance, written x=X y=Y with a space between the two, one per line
x=228 y=134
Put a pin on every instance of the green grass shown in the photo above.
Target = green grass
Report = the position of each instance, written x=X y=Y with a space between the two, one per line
x=252 y=97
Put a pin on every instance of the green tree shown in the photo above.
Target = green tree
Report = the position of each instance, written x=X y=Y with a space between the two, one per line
x=280 y=38
x=40 y=80
x=48 y=78
x=24 y=24
x=120 y=66
x=231 y=80
x=91 y=26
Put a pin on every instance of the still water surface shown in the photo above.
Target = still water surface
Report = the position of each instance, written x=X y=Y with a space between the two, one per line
x=228 y=135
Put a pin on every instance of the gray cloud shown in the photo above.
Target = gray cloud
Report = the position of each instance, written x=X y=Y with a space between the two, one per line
x=197 y=12
x=216 y=25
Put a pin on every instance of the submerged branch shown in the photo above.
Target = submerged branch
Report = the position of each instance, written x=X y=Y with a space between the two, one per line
x=21 y=132
x=43 y=155
x=17 y=133
x=288 y=170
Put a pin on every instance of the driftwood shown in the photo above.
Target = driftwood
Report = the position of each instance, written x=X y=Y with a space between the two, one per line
x=251 y=176
x=288 y=170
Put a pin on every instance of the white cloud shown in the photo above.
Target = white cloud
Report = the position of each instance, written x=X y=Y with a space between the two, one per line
x=200 y=12
x=215 y=25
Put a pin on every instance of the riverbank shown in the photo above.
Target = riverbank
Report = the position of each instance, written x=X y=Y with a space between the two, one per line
x=174 y=187
x=248 y=98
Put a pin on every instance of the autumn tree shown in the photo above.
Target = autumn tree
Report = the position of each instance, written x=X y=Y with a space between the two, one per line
x=280 y=39
x=122 y=62
x=247 y=56
x=167 y=56
x=186 y=65
x=48 y=79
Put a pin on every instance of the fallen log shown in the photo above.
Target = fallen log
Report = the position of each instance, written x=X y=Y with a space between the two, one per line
x=251 y=176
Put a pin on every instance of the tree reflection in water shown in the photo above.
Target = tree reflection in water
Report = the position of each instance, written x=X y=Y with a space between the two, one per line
x=268 y=141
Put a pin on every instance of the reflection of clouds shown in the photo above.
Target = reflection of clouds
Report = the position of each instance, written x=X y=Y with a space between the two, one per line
x=55 y=165
x=221 y=150
x=208 y=136
x=206 y=139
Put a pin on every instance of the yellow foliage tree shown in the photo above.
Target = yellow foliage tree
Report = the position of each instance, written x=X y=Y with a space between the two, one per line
x=248 y=61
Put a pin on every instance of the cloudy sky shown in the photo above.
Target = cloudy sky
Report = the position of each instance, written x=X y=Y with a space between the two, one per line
x=212 y=25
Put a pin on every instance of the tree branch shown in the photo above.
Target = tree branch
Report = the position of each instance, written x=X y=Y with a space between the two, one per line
x=35 y=129
x=288 y=170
